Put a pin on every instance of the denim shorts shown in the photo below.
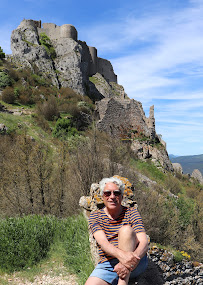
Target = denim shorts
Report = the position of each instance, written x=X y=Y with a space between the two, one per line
x=105 y=271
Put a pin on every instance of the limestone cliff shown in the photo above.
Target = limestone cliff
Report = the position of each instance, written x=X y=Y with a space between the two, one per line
x=73 y=61
x=125 y=118
x=68 y=62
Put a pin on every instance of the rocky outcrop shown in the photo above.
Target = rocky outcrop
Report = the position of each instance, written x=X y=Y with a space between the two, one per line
x=177 y=167
x=68 y=62
x=123 y=118
x=157 y=154
x=107 y=88
x=27 y=51
x=72 y=62
x=196 y=174
x=164 y=270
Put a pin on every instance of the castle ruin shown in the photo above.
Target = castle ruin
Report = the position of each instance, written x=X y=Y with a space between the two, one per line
x=68 y=31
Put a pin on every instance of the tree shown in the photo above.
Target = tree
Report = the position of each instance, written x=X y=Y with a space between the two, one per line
x=2 y=54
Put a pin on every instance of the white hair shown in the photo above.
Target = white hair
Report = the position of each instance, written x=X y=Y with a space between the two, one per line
x=118 y=182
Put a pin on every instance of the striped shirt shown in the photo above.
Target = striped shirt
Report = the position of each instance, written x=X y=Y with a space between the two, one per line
x=98 y=220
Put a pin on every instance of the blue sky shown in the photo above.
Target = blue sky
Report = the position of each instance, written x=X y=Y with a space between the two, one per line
x=155 y=46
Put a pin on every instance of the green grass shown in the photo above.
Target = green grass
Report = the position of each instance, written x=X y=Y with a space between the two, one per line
x=148 y=169
x=34 y=244
x=78 y=256
x=25 y=241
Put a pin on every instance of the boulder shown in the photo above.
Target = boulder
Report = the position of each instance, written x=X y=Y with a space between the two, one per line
x=177 y=167
x=196 y=174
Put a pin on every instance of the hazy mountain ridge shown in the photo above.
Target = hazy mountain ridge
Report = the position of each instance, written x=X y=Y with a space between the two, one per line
x=188 y=162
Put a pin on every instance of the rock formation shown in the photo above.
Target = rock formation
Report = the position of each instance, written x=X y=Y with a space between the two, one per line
x=73 y=62
x=196 y=174
x=178 y=167
x=68 y=62
x=125 y=118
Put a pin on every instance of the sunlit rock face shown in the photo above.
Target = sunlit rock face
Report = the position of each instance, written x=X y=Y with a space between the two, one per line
x=73 y=61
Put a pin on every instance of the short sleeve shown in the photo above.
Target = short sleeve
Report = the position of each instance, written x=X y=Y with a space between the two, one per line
x=136 y=220
x=94 y=222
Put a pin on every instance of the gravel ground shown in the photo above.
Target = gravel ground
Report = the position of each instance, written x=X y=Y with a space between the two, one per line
x=47 y=278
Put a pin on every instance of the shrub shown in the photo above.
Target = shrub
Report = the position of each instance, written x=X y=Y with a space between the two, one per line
x=49 y=109
x=25 y=241
x=13 y=74
x=5 y=80
x=68 y=93
x=2 y=54
x=39 y=80
x=45 y=41
x=24 y=95
x=8 y=95
x=64 y=128
x=186 y=209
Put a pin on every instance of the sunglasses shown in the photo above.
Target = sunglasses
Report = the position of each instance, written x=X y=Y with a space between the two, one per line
x=108 y=193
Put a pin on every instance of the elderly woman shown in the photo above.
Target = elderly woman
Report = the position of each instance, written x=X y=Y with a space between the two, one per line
x=120 y=236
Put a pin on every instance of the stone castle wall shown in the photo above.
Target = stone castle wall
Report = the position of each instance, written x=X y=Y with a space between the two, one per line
x=55 y=32
x=105 y=68
x=111 y=110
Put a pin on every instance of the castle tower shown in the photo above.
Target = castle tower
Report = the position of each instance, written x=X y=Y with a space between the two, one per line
x=93 y=60
x=26 y=23
x=69 y=31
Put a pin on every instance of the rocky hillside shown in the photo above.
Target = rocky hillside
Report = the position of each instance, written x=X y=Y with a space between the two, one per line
x=58 y=55
x=54 y=91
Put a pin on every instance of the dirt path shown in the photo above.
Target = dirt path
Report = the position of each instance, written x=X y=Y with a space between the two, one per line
x=58 y=276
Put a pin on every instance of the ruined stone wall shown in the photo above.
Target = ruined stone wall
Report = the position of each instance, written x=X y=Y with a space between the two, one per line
x=105 y=68
x=120 y=115
x=151 y=122
x=59 y=33
x=55 y=32
x=26 y=23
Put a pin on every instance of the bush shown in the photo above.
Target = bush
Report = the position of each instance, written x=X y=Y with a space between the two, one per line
x=45 y=41
x=13 y=74
x=2 y=54
x=64 y=128
x=25 y=96
x=49 y=109
x=8 y=95
x=39 y=80
x=25 y=241
x=5 y=80
x=68 y=93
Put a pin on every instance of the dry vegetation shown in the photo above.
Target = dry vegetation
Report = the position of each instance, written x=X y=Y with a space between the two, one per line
x=48 y=175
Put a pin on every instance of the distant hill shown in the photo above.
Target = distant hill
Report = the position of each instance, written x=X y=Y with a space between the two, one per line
x=189 y=163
